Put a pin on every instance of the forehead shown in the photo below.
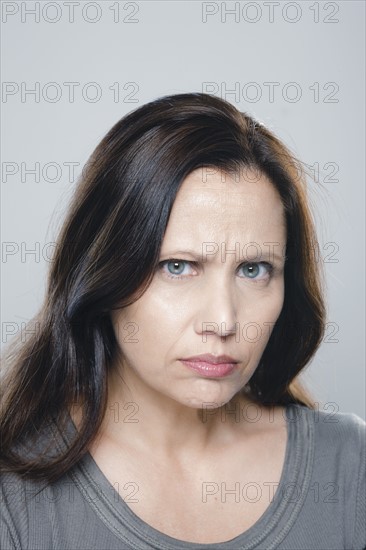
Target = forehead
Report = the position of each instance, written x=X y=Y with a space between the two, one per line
x=219 y=207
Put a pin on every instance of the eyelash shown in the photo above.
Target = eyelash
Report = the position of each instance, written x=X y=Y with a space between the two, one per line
x=269 y=267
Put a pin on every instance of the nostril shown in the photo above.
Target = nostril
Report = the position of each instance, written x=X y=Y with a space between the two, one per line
x=227 y=329
x=223 y=329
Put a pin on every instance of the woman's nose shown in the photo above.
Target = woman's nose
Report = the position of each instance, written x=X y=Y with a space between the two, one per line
x=216 y=310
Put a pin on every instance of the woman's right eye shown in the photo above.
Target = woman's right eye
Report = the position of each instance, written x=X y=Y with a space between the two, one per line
x=174 y=268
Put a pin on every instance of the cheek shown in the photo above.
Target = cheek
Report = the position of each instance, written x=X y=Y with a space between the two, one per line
x=257 y=321
x=122 y=324
x=263 y=306
x=147 y=328
x=132 y=318
x=270 y=309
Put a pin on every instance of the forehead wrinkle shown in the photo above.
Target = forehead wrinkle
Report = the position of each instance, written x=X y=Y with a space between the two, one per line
x=218 y=201
x=228 y=219
x=254 y=213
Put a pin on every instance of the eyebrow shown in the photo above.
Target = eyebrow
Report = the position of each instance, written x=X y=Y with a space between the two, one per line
x=266 y=254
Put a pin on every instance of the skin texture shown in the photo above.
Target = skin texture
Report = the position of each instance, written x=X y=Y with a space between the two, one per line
x=164 y=421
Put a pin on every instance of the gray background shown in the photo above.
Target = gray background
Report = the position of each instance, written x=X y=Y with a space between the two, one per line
x=311 y=52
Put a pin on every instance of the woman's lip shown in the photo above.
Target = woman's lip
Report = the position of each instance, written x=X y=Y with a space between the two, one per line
x=211 y=370
x=212 y=359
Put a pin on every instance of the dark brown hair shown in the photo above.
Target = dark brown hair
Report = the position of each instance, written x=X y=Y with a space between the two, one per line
x=108 y=251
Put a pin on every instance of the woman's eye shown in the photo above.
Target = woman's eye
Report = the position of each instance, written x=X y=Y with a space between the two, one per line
x=257 y=271
x=180 y=269
x=175 y=269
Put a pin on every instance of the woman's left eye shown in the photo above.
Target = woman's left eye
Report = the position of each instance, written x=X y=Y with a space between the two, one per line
x=175 y=268
x=257 y=270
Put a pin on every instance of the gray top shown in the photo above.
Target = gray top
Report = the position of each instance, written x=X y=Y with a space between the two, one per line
x=319 y=503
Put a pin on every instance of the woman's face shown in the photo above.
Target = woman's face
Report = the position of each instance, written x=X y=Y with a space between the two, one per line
x=218 y=290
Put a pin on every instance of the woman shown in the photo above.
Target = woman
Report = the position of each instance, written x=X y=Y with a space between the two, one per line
x=157 y=405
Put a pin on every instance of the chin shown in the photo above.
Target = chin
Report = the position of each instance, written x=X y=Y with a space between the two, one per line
x=209 y=399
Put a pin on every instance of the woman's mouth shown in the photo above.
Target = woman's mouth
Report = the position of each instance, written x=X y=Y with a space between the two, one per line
x=210 y=365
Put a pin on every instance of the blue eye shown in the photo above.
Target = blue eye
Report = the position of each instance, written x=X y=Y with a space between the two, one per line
x=252 y=270
x=175 y=268
x=180 y=269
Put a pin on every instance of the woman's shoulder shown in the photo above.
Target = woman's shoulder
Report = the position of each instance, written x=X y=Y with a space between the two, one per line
x=29 y=508
x=335 y=443
x=15 y=495
x=330 y=421
x=338 y=436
